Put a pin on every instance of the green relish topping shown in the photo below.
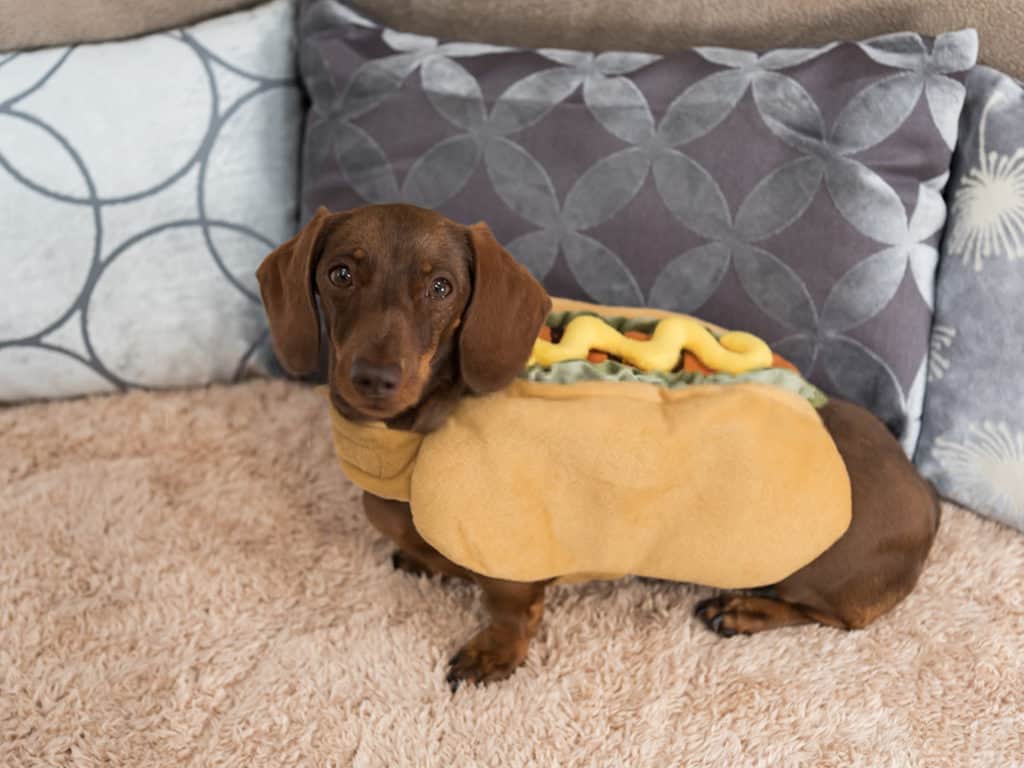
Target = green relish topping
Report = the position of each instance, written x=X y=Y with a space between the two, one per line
x=574 y=371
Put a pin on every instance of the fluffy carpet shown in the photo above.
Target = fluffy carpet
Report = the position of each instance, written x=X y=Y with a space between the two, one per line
x=186 y=579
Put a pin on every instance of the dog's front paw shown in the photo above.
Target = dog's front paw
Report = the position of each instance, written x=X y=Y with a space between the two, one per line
x=490 y=656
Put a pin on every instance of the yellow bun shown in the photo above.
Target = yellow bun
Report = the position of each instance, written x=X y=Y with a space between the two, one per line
x=731 y=486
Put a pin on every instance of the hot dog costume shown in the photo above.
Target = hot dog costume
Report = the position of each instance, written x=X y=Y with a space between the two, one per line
x=582 y=469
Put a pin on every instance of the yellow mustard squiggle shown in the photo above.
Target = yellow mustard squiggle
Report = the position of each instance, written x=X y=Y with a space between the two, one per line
x=734 y=352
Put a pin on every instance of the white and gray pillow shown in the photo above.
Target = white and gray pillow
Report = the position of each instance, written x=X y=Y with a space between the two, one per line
x=794 y=193
x=972 y=441
x=142 y=183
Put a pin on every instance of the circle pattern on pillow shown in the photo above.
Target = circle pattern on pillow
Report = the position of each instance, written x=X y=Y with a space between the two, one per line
x=143 y=182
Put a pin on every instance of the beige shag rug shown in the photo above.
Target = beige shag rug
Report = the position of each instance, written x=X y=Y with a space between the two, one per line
x=186 y=580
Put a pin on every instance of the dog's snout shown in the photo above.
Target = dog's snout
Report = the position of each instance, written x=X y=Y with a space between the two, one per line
x=375 y=381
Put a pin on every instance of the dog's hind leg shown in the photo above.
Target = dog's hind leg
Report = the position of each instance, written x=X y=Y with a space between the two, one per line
x=735 y=613
x=872 y=566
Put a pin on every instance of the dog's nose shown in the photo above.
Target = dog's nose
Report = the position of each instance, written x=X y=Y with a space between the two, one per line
x=375 y=381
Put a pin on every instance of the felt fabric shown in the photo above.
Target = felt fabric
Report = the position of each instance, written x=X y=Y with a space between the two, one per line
x=377 y=459
x=604 y=479
x=735 y=352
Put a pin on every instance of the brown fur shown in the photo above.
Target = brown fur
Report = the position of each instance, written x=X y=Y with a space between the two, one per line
x=475 y=341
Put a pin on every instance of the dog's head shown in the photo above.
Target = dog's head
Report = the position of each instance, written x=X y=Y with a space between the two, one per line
x=417 y=310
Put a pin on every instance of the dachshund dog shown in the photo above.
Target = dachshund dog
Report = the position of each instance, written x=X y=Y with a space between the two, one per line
x=411 y=303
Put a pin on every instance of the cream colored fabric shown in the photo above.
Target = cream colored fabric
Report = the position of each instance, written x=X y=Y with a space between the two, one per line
x=188 y=581
x=663 y=26
x=544 y=481
x=377 y=459
x=35 y=23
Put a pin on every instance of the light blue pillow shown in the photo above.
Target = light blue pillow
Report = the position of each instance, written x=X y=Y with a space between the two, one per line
x=142 y=183
x=972 y=438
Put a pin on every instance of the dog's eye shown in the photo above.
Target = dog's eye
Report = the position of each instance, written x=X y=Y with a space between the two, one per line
x=340 y=276
x=440 y=288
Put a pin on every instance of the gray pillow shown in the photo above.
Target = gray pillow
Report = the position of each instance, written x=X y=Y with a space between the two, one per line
x=972 y=441
x=795 y=193
x=142 y=183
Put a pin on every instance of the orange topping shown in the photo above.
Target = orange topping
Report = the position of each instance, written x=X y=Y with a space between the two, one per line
x=778 y=361
x=638 y=335
x=691 y=363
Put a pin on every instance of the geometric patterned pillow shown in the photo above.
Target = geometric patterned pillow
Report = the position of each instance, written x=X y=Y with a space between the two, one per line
x=972 y=441
x=794 y=193
x=142 y=182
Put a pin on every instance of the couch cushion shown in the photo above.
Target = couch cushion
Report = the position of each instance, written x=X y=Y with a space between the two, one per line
x=57 y=22
x=665 y=26
x=143 y=182
x=795 y=194
x=972 y=440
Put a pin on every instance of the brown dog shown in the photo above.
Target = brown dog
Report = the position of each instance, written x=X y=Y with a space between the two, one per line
x=412 y=302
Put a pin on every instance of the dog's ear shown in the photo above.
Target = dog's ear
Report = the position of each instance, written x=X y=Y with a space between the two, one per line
x=286 y=285
x=503 y=318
